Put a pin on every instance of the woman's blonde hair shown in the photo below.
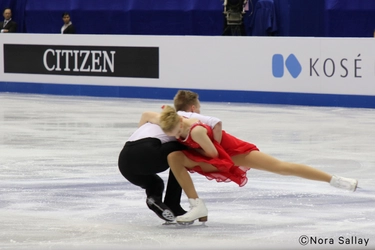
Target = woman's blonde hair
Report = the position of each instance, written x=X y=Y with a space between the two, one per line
x=169 y=119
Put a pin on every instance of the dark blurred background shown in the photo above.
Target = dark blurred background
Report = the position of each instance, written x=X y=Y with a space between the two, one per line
x=318 y=18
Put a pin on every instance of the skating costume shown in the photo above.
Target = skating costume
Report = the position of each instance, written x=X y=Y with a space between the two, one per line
x=143 y=156
x=229 y=146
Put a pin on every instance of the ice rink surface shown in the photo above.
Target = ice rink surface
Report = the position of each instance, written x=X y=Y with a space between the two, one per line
x=60 y=187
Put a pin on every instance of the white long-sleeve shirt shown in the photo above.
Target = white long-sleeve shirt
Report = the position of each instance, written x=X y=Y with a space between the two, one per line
x=154 y=131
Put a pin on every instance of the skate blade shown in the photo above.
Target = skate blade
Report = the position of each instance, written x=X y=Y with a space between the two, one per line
x=188 y=224
x=356 y=187
x=169 y=223
x=184 y=223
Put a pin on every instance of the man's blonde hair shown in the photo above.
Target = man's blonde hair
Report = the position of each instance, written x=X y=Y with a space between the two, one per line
x=184 y=99
x=169 y=119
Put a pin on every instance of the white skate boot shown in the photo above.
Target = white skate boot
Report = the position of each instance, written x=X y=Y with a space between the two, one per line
x=198 y=210
x=344 y=183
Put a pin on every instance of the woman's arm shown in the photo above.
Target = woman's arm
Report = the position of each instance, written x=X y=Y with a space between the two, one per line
x=199 y=135
x=148 y=116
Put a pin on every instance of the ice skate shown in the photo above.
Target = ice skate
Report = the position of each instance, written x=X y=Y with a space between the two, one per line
x=160 y=209
x=198 y=211
x=176 y=209
x=344 y=183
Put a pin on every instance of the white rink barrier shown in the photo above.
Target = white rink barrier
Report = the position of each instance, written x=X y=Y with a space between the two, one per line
x=272 y=70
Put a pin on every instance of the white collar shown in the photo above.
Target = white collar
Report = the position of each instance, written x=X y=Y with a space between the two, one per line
x=66 y=25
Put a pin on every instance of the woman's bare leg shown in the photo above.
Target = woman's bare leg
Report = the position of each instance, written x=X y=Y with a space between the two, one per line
x=178 y=163
x=262 y=161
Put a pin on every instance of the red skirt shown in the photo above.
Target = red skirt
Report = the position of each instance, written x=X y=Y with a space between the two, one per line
x=227 y=171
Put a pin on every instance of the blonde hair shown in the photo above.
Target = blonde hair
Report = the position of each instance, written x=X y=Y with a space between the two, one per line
x=184 y=99
x=169 y=119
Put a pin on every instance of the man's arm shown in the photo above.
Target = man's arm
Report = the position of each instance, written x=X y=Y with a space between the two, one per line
x=151 y=117
x=13 y=27
x=217 y=131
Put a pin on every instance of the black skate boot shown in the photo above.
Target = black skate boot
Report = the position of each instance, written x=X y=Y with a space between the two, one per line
x=160 y=209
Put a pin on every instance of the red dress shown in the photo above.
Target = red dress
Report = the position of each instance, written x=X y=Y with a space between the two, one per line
x=229 y=146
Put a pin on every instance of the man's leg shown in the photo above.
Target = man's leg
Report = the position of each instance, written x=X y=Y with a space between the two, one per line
x=141 y=171
x=154 y=187
x=173 y=195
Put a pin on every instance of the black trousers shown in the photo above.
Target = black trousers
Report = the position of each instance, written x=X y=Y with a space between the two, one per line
x=140 y=161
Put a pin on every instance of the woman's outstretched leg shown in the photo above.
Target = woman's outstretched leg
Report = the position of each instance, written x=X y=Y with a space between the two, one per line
x=262 y=161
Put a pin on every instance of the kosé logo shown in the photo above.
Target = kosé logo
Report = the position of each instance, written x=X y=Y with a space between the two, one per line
x=291 y=64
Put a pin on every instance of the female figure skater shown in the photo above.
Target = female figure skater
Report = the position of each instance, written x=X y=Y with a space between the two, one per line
x=221 y=161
